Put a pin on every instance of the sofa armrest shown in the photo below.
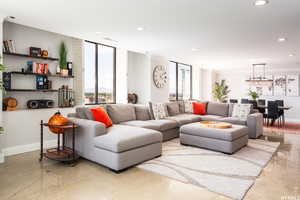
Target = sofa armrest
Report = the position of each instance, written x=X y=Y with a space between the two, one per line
x=89 y=127
x=84 y=136
x=255 y=125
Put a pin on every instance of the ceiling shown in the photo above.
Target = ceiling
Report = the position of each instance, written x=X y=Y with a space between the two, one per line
x=226 y=33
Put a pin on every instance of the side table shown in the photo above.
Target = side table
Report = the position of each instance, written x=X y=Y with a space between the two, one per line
x=61 y=152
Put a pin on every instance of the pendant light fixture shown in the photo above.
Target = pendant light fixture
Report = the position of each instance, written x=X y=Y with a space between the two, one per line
x=259 y=80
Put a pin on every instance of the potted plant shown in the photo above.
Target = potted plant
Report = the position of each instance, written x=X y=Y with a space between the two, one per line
x=63 y=59
x=221 y=91
x=253 y=94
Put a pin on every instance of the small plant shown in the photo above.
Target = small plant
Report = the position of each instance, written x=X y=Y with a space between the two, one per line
x=221 y=91
x=63 y=56
x=254 y=95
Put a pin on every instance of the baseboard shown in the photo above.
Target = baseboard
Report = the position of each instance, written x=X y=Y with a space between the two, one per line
x=28 y=147
x=292 y=120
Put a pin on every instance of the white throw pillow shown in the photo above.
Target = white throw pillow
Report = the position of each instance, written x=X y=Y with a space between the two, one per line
x=159 y=111
x=188 y=107
x=241 y=111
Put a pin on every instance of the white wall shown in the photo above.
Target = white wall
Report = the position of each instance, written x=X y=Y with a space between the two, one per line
x=197 y=82
x=139 y=76
x=1 y=121
x=239 y=89
x=121 y=75
x=159 y=95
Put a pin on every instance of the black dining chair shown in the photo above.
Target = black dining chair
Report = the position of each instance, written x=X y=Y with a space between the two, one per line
x=233 y=101
x=254 y=103
x=281 y=111
x=273 y=113
x=244 y=101
x=261 y=102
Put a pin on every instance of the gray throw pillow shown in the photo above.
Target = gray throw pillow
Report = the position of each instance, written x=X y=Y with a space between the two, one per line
x=173 y=109
x=142 y=112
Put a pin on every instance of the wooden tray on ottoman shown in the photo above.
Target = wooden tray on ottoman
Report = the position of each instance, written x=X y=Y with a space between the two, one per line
x=214 y=124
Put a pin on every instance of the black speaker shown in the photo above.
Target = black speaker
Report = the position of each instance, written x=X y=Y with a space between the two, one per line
x=40 y=103
x=6 y=77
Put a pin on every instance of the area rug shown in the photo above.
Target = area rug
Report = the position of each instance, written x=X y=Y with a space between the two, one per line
x=229 y=175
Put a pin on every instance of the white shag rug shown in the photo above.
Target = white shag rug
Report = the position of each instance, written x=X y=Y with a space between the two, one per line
x=229 y=175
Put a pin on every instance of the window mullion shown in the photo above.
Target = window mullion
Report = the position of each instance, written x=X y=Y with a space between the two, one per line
x=96 y=75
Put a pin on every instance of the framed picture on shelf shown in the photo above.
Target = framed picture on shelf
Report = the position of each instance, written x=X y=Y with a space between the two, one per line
x=35 y=51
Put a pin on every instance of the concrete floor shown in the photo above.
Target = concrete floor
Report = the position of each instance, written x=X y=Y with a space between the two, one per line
x=23 y=177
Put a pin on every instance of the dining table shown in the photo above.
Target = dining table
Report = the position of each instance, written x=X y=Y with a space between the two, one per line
x=280 y=108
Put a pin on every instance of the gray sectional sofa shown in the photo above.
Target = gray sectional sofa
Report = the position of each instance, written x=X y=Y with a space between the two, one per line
x=136 y=137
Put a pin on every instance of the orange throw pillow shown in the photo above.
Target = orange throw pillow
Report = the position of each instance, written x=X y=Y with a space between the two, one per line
x=100 y=115
x=199 y=108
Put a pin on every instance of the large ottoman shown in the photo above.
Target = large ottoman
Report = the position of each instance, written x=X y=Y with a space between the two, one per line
x=224 y=140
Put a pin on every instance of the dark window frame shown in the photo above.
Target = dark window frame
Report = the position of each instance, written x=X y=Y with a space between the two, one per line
x=96 y=73
x=191 y=78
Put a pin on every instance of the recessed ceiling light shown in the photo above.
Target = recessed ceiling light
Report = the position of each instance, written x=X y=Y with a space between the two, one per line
x=261 y=2
x=195 y=49
x=281 y=39
x=291 y=55
x=98 y=32
x=140 y=28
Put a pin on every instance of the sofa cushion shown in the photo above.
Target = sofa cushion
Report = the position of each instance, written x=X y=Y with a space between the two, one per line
x=121 y=112
x=199 y=108
x=142 y=112
x=233 y=120
x=164 y=124
x=220 y=109
x=141 y=124
x=182 y=119
x=241 y=111
x=188 y=107
x=211 y=117
x=84 y=113
x=173 y=108
x=120 y=138
x=159 y=110
x=101 y=115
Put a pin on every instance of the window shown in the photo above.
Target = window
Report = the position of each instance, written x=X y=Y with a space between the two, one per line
x=100 y=67
x=180 y=81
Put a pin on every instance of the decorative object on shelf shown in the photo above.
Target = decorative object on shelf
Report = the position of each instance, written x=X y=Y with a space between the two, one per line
x=9 y=46
x=63 y=59
x=57 y=120
x=132 y=98
x=40 y=103
x=61 y=152
x=29 y=68
x=65 y=97
x=160 y=76
x=70 y=68
x=6 y=78
x=259 y=79
x=41 y=82
x=45 y=54
x=10 y=103
x=221 y=91
x=35 y=51
x=253 y=94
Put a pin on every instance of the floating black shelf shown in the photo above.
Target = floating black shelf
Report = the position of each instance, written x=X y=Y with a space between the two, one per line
x=29 y=56
x=30 y=90
x=49 y=75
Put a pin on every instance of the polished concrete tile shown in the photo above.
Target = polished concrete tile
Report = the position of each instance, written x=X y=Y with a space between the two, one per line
x=23 y=177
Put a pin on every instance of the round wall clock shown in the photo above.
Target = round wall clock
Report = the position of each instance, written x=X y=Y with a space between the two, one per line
x=160 y=76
